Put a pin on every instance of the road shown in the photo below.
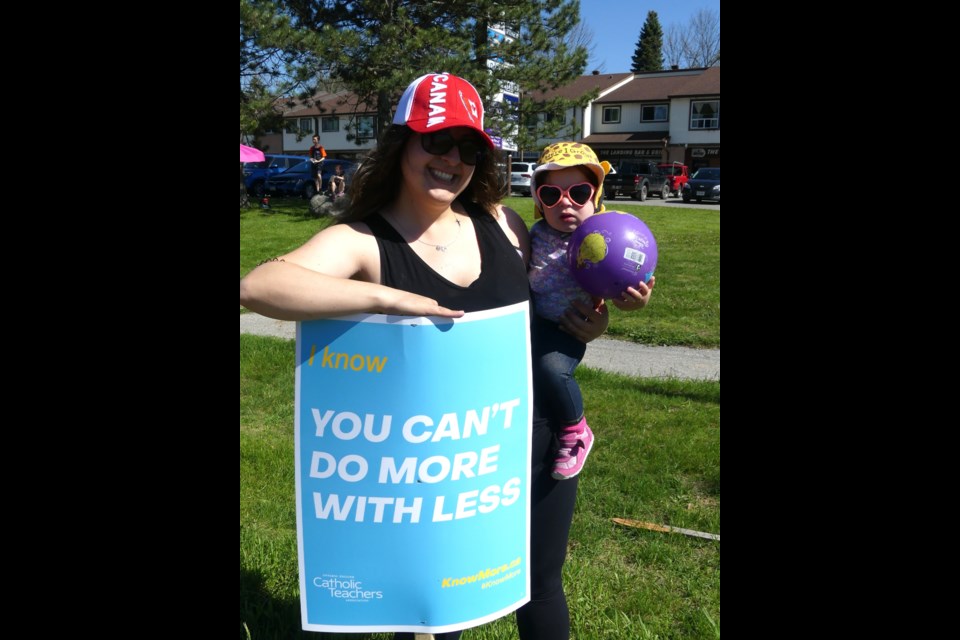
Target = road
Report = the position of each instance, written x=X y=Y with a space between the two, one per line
x=616 y=356
x=656 y=202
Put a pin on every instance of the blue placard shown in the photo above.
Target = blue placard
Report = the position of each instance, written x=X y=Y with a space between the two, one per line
x=413 y=470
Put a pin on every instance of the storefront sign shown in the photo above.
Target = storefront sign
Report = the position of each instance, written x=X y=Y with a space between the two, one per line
x=649 y=152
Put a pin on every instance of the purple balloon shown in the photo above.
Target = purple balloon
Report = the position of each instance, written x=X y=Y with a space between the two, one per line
x=611 y=251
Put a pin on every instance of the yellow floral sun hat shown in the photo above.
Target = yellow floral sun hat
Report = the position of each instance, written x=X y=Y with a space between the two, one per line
x=562 y=155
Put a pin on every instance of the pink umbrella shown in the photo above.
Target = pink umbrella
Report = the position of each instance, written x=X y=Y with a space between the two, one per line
x=249 y=154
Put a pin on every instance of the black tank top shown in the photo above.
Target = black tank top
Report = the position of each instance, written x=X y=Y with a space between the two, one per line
x=502 y=280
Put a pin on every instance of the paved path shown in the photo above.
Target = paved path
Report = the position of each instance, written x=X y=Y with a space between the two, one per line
x=616 y=356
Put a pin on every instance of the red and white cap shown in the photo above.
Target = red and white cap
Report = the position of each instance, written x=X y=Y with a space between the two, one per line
x=439 y=101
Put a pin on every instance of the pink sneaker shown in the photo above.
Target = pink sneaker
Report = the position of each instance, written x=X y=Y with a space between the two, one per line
x=575 y=444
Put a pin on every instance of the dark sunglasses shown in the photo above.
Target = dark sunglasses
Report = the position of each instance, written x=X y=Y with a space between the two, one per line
x=578 y=194
x=441 y=142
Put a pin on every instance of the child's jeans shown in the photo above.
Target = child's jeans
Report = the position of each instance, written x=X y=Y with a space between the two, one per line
x=556 y=355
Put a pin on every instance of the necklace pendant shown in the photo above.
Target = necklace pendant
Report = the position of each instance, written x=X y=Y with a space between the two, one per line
x=440 y=247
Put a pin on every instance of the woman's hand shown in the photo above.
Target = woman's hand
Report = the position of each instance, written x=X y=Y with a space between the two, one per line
x=632 y=299
x=585 y=323
x=404 y=303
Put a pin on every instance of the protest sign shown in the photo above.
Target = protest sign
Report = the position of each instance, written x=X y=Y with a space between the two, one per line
x=413 y=470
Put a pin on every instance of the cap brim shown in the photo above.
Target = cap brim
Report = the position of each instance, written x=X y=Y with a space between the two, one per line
x=421 y=127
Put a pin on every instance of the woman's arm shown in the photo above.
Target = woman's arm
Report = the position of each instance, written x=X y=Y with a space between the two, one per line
x=335 y=273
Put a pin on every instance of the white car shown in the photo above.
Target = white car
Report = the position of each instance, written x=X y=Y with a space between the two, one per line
x=520 y=176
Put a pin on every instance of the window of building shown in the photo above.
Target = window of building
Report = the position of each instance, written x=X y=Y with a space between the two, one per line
x=366 y=128
x=330 y=124
x=611 y=115
x=556 y=118
x=306 y=125
x=290 y=125
x=654 y=113
x=532 y=123
x=705 y=115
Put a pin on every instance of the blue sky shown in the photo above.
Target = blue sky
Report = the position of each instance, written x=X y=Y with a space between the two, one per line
x=616 y=26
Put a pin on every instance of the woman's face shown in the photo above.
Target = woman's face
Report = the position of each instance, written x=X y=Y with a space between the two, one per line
x=443 y=176
x=565 y=215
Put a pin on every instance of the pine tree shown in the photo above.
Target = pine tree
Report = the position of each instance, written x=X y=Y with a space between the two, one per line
x=374 y=48
x=648 y=55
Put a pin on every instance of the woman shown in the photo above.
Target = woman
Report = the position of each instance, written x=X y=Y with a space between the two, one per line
x=424 y=235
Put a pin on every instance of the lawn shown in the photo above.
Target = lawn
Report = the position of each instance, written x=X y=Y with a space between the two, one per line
x=684 y=309
x=657 y=459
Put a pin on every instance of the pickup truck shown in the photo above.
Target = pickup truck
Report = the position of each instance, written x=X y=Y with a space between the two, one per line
x=678 y=174
x=636 y=178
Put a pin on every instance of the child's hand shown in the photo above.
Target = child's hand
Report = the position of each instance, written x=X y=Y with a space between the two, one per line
x=632 y=299
x=585 y=322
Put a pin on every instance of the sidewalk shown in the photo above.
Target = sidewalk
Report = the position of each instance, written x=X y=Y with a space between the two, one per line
x=616 y=356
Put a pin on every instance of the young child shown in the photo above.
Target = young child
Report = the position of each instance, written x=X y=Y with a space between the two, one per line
x=338 y=182
x=567 y=189
x=317 y=154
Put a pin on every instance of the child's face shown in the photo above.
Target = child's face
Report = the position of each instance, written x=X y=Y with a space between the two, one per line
x=566 y=215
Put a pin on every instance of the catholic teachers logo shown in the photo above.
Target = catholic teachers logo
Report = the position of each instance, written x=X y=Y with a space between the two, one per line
x=346 y=588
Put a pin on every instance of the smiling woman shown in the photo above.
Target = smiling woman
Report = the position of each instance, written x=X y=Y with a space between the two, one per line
x=424 y=235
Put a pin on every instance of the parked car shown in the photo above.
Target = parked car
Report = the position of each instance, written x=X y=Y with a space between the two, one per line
x=636 y=178
x=520 y=175
x=678 y=174
x=255 y=173
x=298 y=179
x=703 y=185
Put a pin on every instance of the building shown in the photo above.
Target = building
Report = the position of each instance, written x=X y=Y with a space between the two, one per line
x=668 y=116
x=577 y=119
x=347 y=127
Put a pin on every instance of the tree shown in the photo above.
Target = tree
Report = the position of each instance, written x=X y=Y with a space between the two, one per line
x=273 y=56
x=648 y=55
x=697 y=44
x=702 y=44
x=673 y=47
x=375 y=48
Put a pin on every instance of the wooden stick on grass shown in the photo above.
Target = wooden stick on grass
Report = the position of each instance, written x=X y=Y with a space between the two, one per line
x=636 y=524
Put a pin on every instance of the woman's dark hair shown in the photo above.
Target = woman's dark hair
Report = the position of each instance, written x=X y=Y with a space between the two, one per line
x=378 y=178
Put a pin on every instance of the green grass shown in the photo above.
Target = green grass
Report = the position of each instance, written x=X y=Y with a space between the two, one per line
x=684 y=310
x=657 y=459
x=266 y=234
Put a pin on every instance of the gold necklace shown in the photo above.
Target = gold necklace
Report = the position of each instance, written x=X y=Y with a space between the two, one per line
x=443 y=247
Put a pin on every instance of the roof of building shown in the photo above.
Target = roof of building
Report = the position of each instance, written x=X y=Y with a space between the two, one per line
x=640 y=87
x=660 y=85
x=582 y=85
x=326 y=104
x=637 y=136
x=705 y=84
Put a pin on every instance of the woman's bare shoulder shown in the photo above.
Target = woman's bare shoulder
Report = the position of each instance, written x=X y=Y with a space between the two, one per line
x=341 y=249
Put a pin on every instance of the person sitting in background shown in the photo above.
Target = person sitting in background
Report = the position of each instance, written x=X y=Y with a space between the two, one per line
x=338 y=184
